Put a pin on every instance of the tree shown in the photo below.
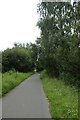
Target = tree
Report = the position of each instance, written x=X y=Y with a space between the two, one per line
x=18 y=58
x=60 y=33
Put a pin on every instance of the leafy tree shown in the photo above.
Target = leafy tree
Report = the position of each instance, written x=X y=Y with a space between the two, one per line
x=18 y=58
x=59 y=42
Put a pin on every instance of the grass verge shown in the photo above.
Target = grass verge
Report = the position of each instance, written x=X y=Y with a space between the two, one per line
x=63 y=99
x=12 y=79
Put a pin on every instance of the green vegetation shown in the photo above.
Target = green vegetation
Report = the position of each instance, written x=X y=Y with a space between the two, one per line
x=63 y=98
x=21 y=58
x=18 y=64
x=57 y=51
x=59 y=42
x=11 y=79
x=59 y=54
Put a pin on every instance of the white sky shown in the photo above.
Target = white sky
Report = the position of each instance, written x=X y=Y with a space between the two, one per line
x=18 y=19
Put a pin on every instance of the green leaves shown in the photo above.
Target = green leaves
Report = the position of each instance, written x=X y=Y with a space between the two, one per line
x=20 y=58
x=60 y=34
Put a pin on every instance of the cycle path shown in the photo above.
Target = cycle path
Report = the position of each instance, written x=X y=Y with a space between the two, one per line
x=26 y=100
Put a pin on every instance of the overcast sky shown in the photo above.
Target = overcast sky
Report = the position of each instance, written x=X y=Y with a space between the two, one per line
x=18 y=19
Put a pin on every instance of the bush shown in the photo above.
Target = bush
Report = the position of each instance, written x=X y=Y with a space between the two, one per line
x=17 y=58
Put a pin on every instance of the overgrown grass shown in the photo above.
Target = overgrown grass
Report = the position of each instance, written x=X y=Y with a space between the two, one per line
x=11 y=79
x=63 y=99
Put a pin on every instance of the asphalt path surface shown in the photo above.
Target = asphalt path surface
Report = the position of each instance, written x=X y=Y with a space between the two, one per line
x=26 y=100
